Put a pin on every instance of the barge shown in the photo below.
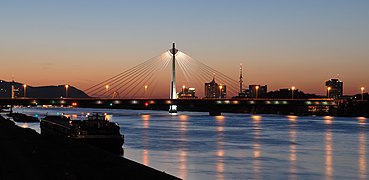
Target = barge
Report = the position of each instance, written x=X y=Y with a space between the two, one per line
x=95 y=130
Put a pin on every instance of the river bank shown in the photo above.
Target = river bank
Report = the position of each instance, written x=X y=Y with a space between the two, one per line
x=25 y=154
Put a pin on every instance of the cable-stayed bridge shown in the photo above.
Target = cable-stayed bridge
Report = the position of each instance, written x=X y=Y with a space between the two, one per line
x=213 y=106
x=153 y=85
x=151 y=79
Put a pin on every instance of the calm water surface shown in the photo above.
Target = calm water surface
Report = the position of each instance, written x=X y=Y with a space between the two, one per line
x=238 y=146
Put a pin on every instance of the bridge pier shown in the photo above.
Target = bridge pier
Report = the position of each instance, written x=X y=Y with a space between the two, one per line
x=173 y=92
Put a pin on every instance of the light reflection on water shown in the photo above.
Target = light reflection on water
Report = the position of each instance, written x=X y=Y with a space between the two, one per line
x=293 y=152
x=220 y=150
x=362 y=150
x=328 y=153
x=240 y=146
x=24 y=125
x=256 y=119
x=145 y=157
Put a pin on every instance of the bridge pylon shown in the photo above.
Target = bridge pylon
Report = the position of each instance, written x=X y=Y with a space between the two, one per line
x=173 y=92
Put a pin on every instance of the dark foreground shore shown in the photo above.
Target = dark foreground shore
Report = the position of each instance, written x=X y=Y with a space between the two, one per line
x=25 y=154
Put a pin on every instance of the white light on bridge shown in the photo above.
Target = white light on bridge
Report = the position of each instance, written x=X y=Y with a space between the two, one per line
x=168 y=102
x=98 y=102
x=219 y=102
x=116 y=102
x=308 y=102
x=134 y=102
x=268 y=102
x=251 y=102
x=284 y=102
x=227 y=102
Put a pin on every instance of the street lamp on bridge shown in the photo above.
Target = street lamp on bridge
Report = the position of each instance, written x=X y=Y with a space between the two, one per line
x=107 y=89
x=328 y=89
x=362 y=93
x=293 y=90
x=220 y=91
x=257 y=91
x=24 y=90
x=145 y=91
x=66 y=90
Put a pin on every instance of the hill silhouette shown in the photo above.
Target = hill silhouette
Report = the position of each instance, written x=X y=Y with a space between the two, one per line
x=40 y=91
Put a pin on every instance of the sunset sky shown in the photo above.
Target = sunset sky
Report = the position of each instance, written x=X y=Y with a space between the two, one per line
x=281 y=43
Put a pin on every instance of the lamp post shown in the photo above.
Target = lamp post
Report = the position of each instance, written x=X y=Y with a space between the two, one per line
x=24 y=90
x=145 y=91
x=183 y=88
x=293 y=90
x=66 y=90
x=257 y=91
x=220 y=91
x=107 y=89
x=328 y=89
x=362 y=93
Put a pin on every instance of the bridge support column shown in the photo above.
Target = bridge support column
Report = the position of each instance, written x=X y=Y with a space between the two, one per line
x=173 y=92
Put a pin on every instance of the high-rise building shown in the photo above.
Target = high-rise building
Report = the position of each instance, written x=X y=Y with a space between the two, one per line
x=334 y=88
x=257 y=91
x=215 y=90
x=187 y=93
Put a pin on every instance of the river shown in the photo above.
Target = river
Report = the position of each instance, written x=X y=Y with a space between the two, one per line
x=193 y=145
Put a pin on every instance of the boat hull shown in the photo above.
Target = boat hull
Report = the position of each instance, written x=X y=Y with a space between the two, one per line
x=109 y=142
